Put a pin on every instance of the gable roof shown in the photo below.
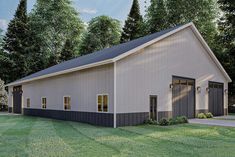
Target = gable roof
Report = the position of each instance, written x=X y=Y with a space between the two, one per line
x=113 y=54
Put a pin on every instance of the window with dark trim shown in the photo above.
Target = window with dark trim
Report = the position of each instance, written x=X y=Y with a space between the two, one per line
x=44 y=103
x=102 y=102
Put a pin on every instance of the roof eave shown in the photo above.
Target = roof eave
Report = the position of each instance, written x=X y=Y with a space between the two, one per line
x=61 y=72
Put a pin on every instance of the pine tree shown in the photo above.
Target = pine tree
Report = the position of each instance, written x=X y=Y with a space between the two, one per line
x=156 y=17
x=1 y=38
x=68 y=51
x=16 y=41
x=133 y=27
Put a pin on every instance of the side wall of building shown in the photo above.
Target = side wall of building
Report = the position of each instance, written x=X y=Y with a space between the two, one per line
x=150 y=71
x=81 y=86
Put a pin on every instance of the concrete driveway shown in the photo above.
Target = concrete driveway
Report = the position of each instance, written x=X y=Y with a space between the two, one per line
x=216 y=121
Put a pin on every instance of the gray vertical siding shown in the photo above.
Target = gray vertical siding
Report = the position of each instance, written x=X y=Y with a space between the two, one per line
x=150 y=71
x=82 y=86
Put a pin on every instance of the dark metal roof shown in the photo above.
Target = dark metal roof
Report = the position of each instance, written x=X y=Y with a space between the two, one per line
x=105 y=54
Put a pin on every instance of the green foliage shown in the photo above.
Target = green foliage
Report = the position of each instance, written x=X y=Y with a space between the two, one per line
x=172 y=121
x=1 y=39
x=102 y=32
x=202 y=12
x=164 y=122
x=68 y=52
x=52 y=23
x=181 y=119
x=165 y=14
x=209 y=115
x=156 y=16
x=3 y=94
x=178 y=120
x=226 y=39
x=151 y=122
x=16 y=44
x=201 y=116
x=133 y=27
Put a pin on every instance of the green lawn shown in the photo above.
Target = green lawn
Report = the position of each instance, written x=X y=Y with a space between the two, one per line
x=28 y=136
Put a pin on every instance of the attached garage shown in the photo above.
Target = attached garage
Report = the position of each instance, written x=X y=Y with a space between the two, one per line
x=216 y=98
x=183 y=95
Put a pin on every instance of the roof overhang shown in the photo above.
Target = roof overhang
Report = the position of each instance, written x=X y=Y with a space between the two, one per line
x=191 y=25
x=62 y=72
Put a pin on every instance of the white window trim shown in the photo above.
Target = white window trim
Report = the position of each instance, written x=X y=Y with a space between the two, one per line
x=26 y=105
x=97 y=110
x=70 y=103
x=42 y=104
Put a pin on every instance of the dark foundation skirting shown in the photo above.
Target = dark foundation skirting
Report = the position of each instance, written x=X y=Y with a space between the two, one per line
x=164 y=114
x=100 y=119
x=10 y=109
x=128 y=119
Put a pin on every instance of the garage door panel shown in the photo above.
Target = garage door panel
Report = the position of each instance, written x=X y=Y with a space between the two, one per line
x=216 y=103
x=183 y=97
x=191 y=100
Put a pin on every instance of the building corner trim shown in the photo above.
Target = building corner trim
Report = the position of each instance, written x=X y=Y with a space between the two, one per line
x=115 y=97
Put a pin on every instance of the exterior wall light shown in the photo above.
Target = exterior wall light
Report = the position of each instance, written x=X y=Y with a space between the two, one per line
x=226 y=91
x=208 y=89
x=198 y=89
x=171 y=86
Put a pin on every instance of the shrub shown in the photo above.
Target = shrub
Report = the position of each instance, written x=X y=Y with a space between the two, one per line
x=181 y=119
x=209 y=115
x=150 y=121
x=201 y=116
x=163 y=122
x=172 y=121
x=184 y=119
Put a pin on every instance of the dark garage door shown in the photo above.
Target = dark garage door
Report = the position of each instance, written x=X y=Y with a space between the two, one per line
x=216 y=98
x=17 y=99
x=183 y=94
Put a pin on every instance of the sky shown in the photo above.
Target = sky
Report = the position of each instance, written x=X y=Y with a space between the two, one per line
x=88 y=9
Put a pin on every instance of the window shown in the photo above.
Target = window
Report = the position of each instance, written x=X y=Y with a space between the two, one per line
x=28 y=102
x=44 y=103
x=102 y=102
x=67 y=103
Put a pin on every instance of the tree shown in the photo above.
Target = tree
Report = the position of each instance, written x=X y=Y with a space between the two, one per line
x=133 y=27
x=3 y=94
x=68 y=51
x=1 y=38
x=16 y=42
x=102 y=32
x=156 y=17
x=227 y=39
x=202 y=12
x=5 y=62
x=53 y=22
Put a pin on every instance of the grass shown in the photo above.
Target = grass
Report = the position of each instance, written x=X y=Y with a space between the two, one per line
x=39 y=137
